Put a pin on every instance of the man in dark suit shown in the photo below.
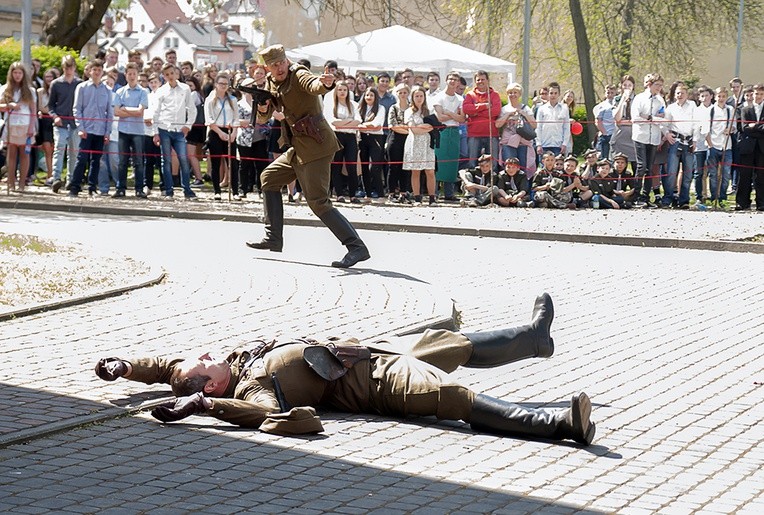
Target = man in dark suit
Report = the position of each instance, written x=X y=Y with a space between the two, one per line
x=751 y=147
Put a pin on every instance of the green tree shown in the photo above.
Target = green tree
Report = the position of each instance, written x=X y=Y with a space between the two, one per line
x=73 y=22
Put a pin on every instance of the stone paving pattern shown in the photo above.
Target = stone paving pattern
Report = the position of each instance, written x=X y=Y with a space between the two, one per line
x=668 y=343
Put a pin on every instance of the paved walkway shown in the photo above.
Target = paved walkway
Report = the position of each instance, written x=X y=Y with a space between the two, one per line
x=667 y=342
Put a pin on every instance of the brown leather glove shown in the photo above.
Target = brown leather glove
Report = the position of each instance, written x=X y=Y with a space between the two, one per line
x=109 y=369
x=180 y=408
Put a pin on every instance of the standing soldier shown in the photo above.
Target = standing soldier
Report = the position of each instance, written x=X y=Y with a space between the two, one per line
x=295 y=93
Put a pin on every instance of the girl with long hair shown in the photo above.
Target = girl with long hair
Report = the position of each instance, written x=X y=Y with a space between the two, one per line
x=398 y=180
x=372 y=147
x=19 y=104
x=196 y=136
x=221 y=115
x=417 y=153
x=45 y=131
x=621 y=140
x=342 y=114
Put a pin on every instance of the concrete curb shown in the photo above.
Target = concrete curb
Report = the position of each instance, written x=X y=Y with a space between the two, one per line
x=156 y=276
x=719 y=246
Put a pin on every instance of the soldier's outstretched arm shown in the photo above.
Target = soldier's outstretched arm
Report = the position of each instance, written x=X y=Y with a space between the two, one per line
x=144 y=370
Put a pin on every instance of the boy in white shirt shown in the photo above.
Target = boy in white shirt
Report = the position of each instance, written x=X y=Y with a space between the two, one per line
x=718 y=127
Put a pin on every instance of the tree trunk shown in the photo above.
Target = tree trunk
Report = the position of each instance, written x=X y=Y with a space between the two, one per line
x=585 y=65
x=67 y=27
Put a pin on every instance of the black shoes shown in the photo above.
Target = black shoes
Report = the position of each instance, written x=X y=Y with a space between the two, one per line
x=500 y=417
x=499 y=347
x=346 y=233
x=274 y=223
x=265 y=244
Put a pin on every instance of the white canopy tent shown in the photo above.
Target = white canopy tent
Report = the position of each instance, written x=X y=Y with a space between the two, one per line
x=398 y=47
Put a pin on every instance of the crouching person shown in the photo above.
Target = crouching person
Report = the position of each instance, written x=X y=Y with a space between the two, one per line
x=512 y=184
x=603 y=188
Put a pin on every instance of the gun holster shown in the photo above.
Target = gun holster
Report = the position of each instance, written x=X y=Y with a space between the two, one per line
x=308 y=126
x=333 y=361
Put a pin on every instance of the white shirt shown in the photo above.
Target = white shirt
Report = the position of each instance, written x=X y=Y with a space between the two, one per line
x=22 y=115
x=757 y=110
x=448 y=103
x=342 y=113
x=699 y=129
x=715 y=127
x=223 y=113
x=553 y=129
x=174 y=108
x=680 y=118
x=378 y=120
x=643 y=130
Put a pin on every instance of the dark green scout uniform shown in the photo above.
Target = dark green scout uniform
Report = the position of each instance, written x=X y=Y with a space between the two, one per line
x=513 y=184
x=309 y=158
x=403 y=376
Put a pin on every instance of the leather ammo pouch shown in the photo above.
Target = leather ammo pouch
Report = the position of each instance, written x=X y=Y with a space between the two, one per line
x=333 y=361
x=308 y=126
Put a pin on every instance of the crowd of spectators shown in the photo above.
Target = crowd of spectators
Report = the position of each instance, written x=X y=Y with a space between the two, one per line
x=407 y=138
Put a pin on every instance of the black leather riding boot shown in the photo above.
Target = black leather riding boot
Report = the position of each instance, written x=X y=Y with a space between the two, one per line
x=273 y=207
x=346 y=233
x=499 y=347
x=500 y=417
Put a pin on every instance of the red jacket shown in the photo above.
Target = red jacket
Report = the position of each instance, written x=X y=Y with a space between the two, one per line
x=479 y=124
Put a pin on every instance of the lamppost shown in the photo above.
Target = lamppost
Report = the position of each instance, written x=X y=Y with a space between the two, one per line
x=26 y=33
x=739 y=37
x=527 y=52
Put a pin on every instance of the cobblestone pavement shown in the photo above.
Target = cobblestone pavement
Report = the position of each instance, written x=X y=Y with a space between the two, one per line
x=668 y=343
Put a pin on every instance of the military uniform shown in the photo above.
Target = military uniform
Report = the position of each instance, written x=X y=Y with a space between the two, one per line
x=276 y=388
x=404 y=376
x=307 y=159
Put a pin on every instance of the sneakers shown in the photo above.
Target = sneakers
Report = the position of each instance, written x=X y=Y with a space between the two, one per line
x=190 y=195
x=432 y=200
x=119 y=194
x=197 y=183
x=216 y=196
x=56 y=185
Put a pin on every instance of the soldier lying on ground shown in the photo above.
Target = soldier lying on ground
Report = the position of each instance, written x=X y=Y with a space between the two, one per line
x=276 y=387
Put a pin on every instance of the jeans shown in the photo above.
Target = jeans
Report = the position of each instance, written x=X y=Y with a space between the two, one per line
x=603 y=146
x=64 y=137
x=482 y=145
x=521 y=153
x=90 y=152
x=169 y=141
x=677 y=153
x=131 y=146
x=701 y=164
x=153 y=160
x=645 y=158
x=715 y=158
x=109 y=166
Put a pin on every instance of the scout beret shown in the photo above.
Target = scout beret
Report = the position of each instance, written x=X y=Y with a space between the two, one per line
x=603 y=162
x=512 y=161
x=590 y=152
x=620 y=155
x=571 y=157
x=273 y=54
x=484 y=158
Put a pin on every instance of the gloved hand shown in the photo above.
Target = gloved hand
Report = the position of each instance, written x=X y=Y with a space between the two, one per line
x=180 y=408
x=109 y=369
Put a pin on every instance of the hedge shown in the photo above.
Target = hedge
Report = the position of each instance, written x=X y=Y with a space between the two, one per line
x=49 y=56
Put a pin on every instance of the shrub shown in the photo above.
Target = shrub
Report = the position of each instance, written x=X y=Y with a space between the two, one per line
x=49 y=56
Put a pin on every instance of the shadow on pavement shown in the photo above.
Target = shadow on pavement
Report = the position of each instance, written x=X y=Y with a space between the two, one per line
x=350 y=271
x=134 y=465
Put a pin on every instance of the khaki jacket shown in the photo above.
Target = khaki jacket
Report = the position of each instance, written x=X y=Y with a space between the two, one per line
x=299 y=96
